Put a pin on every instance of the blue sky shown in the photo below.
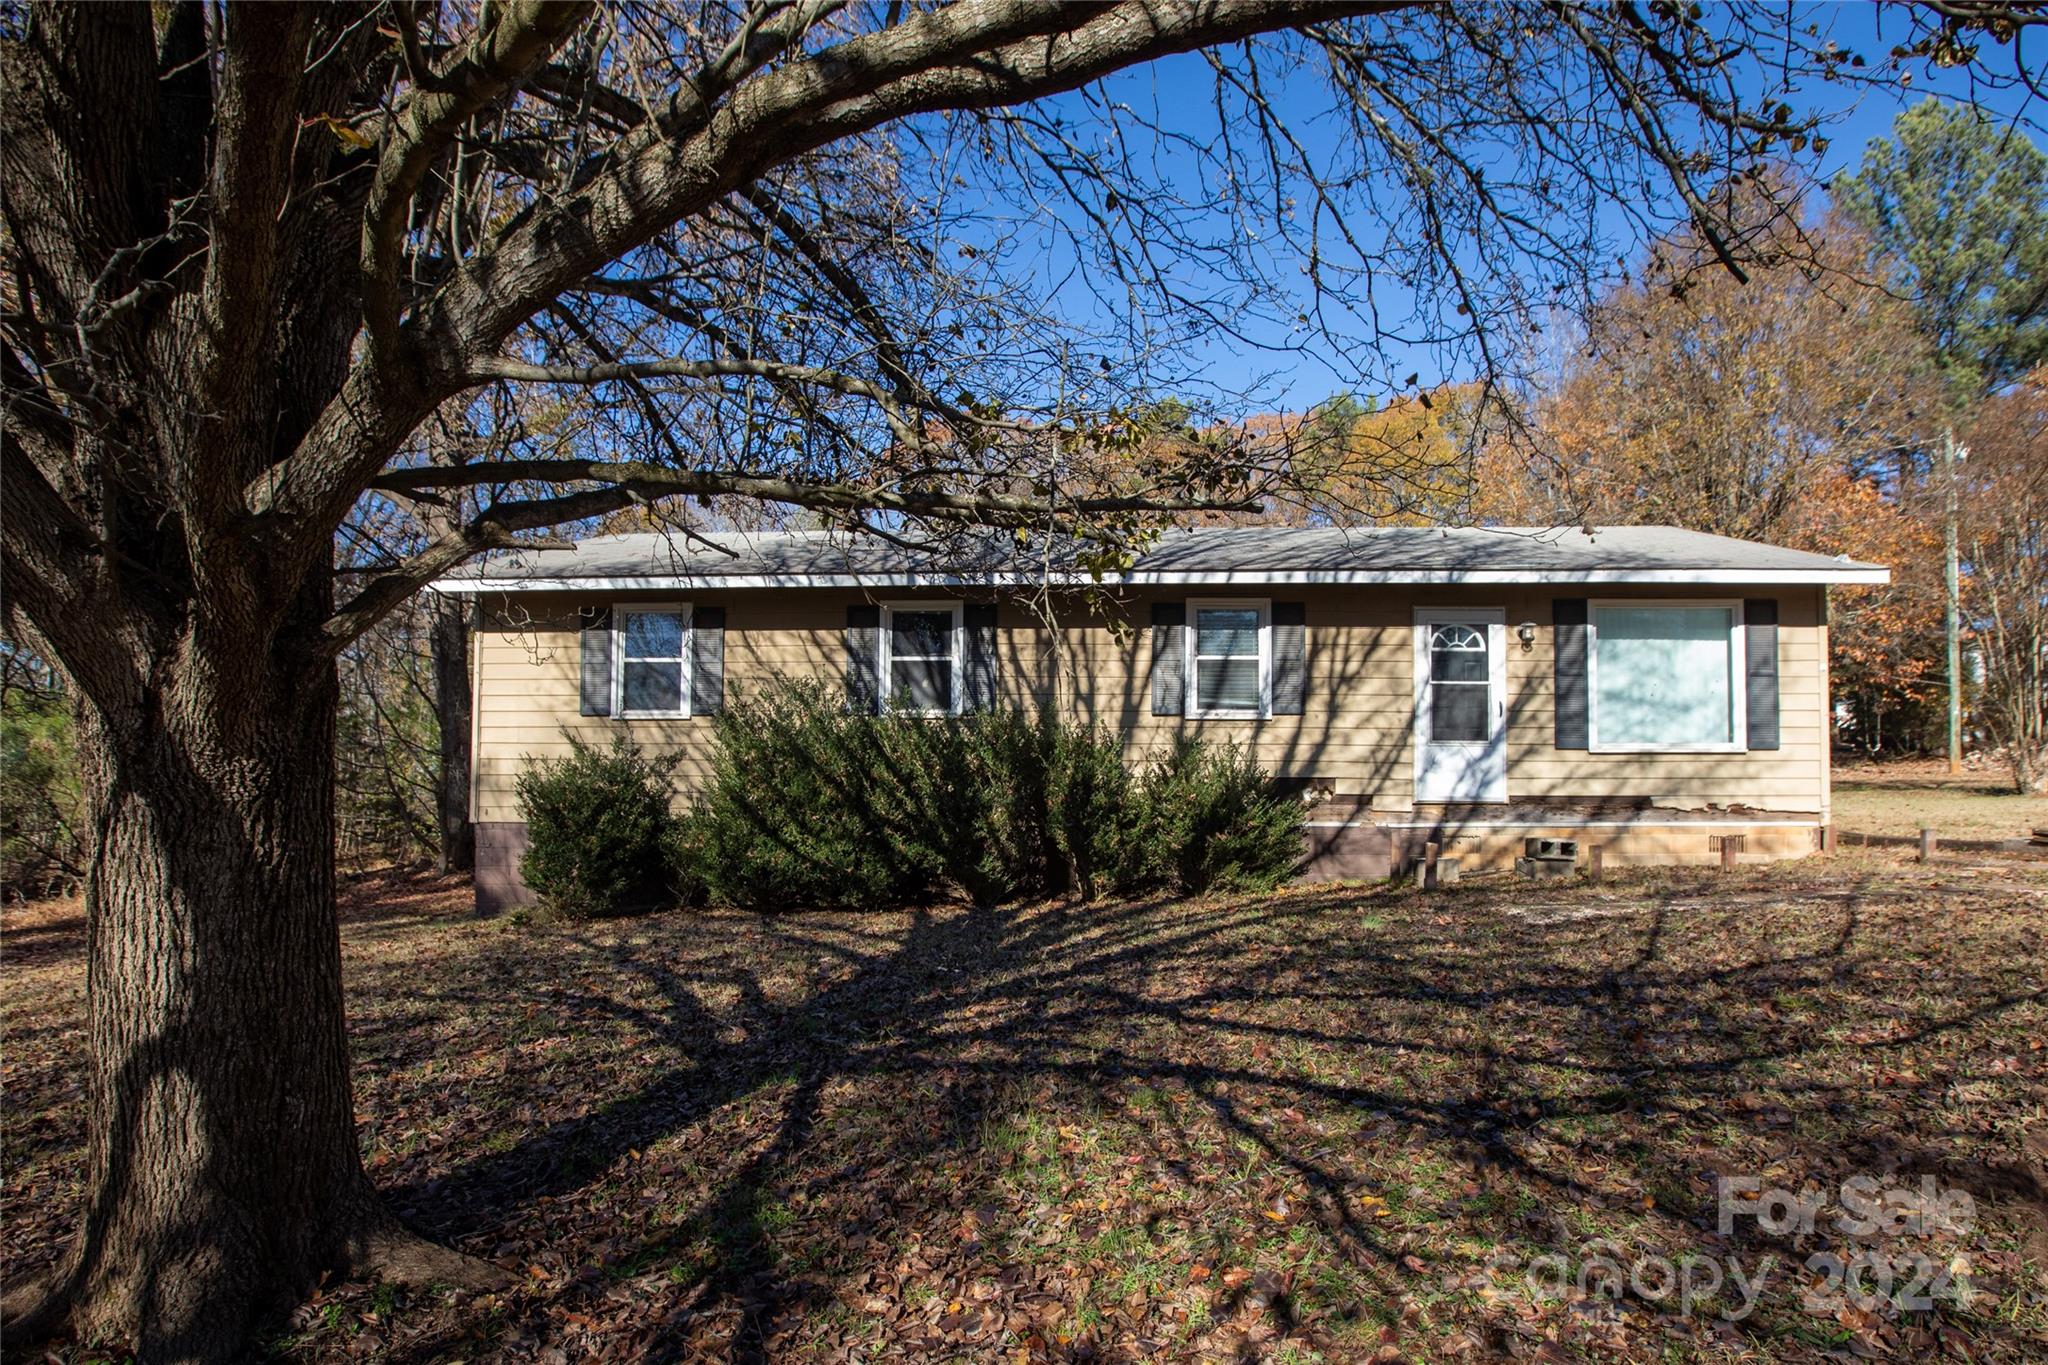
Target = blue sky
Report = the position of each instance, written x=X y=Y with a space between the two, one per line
x=1294 y=378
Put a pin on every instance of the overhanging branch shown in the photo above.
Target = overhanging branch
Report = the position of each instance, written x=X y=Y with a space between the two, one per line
x=491 y=61
x=901 y=425
x=659 y=481
x=974 y=54
x=488 y=368
x=626 y=484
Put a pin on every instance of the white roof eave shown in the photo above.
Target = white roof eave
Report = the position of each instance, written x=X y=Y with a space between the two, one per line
x=1724 y=577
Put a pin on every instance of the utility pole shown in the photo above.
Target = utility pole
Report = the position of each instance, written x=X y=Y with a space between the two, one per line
x=1951 y=456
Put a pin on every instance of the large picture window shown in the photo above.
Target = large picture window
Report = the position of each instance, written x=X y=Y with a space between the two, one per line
x=920 y=664
x=1230 y=659
x=1666 y=676
x=653 y=650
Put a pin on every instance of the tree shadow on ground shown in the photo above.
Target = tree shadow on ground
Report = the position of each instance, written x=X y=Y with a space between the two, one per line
x=824 y=1104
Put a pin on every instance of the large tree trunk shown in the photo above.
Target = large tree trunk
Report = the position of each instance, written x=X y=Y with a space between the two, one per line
x=220 y=1163
x=450 y=647
x=224 y=1164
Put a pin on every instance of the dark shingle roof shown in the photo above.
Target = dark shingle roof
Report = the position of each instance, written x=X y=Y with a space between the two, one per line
x=1218 y=555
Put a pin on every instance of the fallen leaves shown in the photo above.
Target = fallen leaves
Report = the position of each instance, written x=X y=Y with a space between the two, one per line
x=1220 y=1129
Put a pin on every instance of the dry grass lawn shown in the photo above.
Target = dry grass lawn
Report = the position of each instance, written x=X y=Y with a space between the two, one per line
x=1331 y=1124
x=1898 y=798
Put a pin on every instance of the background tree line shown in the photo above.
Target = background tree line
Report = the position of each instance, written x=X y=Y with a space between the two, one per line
x=1810 y=406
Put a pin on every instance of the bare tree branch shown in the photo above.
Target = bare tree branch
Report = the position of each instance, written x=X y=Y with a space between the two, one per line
x=494 y=58
x=498 y=527
x=660 y=480
x=974 y=53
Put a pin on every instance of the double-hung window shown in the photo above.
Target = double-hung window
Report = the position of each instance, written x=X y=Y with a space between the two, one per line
x=652 y=647
x=1666 y=676
x=1230 y=660
x=920 y=663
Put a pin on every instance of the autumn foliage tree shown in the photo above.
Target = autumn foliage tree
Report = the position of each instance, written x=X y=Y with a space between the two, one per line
x=1353 y=462
x=2005 y=540
x=1778 y=408
x=1884 y=642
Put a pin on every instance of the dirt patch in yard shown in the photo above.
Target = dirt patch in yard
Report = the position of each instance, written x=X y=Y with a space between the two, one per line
x=1334 y=1124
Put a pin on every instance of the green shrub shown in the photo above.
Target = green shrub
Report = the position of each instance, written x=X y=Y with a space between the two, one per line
x=42 y=808
x=1095 y=813
x=601 y=838
x=789 y=814
x=951 y=778
x=1218 y=821
x=808 y=803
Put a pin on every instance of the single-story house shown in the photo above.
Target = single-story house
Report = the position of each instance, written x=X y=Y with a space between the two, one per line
x=1648 y=690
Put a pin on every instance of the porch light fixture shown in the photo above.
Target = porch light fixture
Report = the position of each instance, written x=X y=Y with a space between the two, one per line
x=1526 y=633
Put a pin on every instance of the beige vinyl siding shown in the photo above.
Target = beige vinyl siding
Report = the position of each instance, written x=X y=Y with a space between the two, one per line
x=528 y=691
x=1355 y=735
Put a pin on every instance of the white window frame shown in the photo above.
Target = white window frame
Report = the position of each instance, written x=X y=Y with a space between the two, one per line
x=1191 y=659
x=885 y=675
x=1738 y=676
x=620 y=611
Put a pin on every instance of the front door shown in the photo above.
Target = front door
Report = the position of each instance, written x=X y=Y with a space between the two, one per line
x=1460 y=704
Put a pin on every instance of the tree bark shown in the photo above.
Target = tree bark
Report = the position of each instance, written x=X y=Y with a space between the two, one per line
x=450 y=646
x=219 y=1162
x=222 y=1155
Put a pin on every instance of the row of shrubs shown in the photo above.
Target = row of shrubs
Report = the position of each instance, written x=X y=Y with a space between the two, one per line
x=808 y=804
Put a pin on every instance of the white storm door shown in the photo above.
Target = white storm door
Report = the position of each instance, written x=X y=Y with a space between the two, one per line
x=1460 y=704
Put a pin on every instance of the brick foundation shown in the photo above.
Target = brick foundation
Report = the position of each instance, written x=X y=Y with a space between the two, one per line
x=1346 y=842
x=499 y=846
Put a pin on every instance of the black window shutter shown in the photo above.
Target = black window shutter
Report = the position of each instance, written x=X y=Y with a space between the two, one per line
x=979 y=620
x=1568 y=626
x=863 y=644
x=1290 y=658
x=707 y=661
x=1760 y=668
x=596 y=661
x=1169 y=658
